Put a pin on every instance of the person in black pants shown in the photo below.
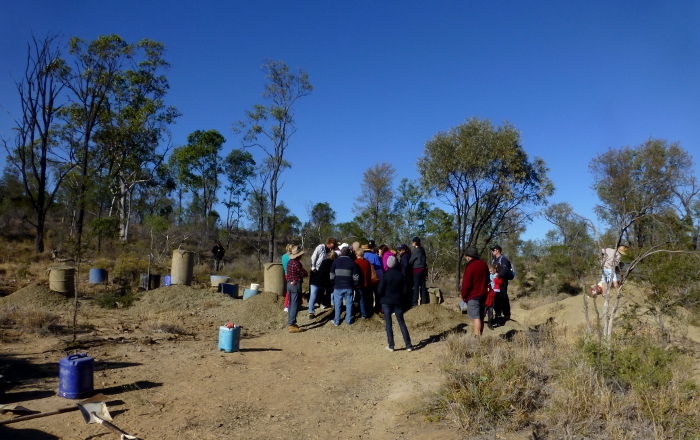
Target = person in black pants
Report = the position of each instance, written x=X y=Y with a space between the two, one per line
x=391 y=289
x=501 y=304
x=420 y=273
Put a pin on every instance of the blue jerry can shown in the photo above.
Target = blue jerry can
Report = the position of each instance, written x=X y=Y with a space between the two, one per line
x=75 y=376
x=229 y=339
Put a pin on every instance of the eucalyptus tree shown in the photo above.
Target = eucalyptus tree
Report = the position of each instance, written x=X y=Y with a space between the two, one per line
x=270 y=128
x=411 y=209
x=484 y=174
x=136 y=124
x=374 y=204
x=197 y=166
x=96 y=68
x=320 y=224
x=238 y=168
x=38 y=154
x=634 y=183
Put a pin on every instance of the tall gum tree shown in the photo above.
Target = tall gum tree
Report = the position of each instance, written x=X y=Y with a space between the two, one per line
x=483 y=173
x=270 y=128
x=38 y=154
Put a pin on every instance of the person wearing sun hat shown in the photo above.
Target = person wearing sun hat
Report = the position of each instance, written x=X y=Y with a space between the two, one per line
x=295 y=277
x=475 y=284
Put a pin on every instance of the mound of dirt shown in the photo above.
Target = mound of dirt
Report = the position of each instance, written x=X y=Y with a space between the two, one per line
x=37 y=296
x=434 y=318
x=178 y=298
x=261 y=312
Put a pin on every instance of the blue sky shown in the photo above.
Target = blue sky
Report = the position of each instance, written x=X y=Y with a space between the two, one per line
x=576 y=78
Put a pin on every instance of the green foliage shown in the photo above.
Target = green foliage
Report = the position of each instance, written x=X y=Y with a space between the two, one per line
x=129 y=267
x=634 y=363
x=483 y=173
x=374 y=204
x=114 y=299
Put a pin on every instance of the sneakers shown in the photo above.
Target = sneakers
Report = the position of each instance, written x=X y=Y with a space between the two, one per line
x=286 y=309
x=409 y=349
x=322 y=307
x=312 y=316
x=336 y=324
x=294 y=329
x=389 y=348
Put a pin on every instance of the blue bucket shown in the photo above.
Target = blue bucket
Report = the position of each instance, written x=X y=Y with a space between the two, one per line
x=247 y=293
x=98 y=276
x=229 y=289
x=75 y=374
x=229 y=339
x=166 y=281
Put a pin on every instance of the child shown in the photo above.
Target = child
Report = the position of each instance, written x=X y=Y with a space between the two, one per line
x=493 y=291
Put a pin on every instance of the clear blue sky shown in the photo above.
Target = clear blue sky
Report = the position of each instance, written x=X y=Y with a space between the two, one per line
x=576 y=78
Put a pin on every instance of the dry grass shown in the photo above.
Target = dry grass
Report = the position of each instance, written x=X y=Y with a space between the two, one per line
x=534 y=301
x=30 y=320
x=540 y=381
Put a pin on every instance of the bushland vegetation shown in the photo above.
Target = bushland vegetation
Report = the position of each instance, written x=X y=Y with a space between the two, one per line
x=93 y=179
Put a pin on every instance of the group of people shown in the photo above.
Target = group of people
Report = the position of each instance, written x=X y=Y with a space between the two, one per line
x=485 y=288
x=377 y=278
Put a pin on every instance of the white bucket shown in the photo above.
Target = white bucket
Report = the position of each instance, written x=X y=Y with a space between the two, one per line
x=255 y=287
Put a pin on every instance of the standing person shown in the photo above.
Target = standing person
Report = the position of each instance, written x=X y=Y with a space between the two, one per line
x=501 y=305
x=475 y=283
x=495 y=290
x=365 y=285
x=376 y=262
x=321 y=253
x=295 y=277
x=285 y=261
x=391 y=288
x=218 y=252
x=385 y=253
x=320 y=285
x=420 y=273
x=407 y=271
x=344 y=277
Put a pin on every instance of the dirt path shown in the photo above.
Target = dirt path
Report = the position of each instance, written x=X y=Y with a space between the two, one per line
x=328 y=381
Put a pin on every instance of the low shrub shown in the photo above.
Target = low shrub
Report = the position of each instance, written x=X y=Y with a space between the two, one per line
x=128 y=268
x=114 y=299
x=30 y=320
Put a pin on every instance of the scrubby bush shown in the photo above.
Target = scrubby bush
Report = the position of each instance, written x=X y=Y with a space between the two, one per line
x=128 y=268
x=114 y=299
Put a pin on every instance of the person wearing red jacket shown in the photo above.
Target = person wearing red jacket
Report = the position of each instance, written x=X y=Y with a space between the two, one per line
x=475 y=284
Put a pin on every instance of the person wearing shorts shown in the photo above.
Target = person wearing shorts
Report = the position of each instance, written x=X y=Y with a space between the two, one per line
x=475 y=283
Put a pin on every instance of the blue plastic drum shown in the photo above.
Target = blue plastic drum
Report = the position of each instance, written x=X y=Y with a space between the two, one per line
x=166 y=281
x=75 y=376
x=98 y=276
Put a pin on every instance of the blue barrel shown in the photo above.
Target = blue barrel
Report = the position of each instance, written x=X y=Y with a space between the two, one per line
x=247 y=293
x=98 y=276
x=75 y=374
x=229 y=289
x=166 y=280
x=229 y=339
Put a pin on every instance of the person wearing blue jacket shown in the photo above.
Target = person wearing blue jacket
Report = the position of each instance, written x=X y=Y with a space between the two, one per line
x=344 y=277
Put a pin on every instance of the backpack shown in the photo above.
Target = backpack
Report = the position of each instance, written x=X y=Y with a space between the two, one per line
x=511 y=274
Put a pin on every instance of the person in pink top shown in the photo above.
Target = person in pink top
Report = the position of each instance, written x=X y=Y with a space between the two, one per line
x=385 y=253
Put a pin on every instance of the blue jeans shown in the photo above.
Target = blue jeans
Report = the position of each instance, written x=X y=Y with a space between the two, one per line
x=294 y=295
x=314 y=291
x=338 y=295
x=388 y=310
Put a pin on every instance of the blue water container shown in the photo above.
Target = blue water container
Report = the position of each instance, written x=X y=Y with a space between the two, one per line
x=247 y=293
x=75 y=374
x=166 y=280
x=229 y=339
x=229 y=289
x=98 y=276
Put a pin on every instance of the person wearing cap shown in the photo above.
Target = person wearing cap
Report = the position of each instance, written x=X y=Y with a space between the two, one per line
x=391 y=289
x=344 y=276
x=295 y=277
x=475 y=283
x=420 y=273
x=501 y=303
